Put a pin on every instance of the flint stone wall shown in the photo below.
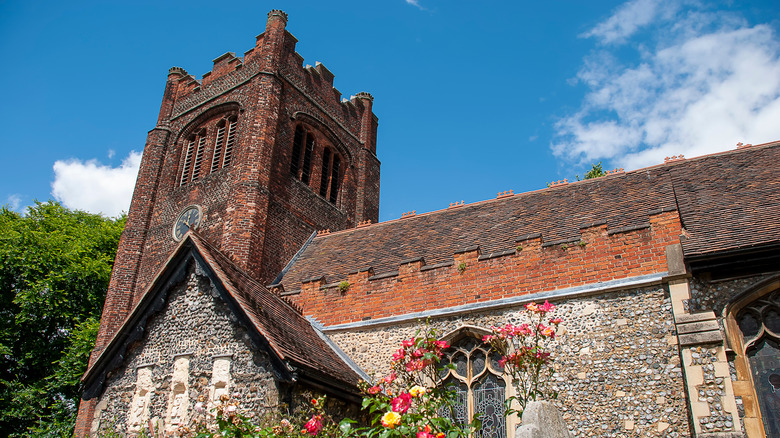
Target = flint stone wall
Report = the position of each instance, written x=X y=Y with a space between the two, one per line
x=194 y=321
x=707 y=295
x=616 y=357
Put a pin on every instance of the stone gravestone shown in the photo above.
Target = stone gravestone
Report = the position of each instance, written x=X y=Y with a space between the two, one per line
x=542 y=420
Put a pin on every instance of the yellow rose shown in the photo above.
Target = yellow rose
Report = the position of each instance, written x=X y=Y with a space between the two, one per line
x=391 y=419
x=417 y=391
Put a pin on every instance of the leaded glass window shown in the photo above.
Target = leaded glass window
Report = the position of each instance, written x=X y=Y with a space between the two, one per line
x=759 y=323
x=480 y=387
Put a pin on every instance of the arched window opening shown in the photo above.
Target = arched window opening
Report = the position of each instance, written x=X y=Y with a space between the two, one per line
x=218 y=145
x=334 y=180
x=480 y=386
x=295 y=159
x=306 y=149
x=306 y=170
x=325 y=176
x=223 y=144
x=199 y=155
x=231 y=140
x=329 y=178
x=186 y=167
x=202 y=147
x=759 y=326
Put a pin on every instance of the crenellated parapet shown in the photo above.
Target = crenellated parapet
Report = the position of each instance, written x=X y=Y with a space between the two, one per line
x=529 y=265
x=274 y=55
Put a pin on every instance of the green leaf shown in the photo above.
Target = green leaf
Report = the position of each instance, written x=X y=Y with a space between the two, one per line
x=55 y=265
x=345 y=426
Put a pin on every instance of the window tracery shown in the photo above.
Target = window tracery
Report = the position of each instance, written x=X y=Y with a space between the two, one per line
x=479 y=384
x=759 y=326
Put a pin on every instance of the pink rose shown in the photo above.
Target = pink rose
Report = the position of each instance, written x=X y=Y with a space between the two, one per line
x=402 y=403
x=314 y=426
x=374 y=390
x=442 y=344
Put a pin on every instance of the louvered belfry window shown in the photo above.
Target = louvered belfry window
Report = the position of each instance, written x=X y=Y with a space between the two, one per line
x=231 y=140
x=211 y=143
x=187 y=167
x=479 y=385
x=302 y=152
x=305 y=150
x=307 y=153
x=295 y=159
x=193 y=157
x=199 y=156
x=223 y=144
x=325 y=175
x=334 y=179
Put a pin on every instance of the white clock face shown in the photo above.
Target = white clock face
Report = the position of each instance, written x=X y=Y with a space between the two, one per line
x=188 y=219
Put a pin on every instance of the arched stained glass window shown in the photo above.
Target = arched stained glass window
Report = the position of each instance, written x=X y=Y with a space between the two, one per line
x=480 y=386
x=759 y=323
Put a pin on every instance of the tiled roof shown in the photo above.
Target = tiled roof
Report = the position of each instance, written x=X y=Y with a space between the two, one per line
x=727 y=200
x=730 y=200
x=290 y=335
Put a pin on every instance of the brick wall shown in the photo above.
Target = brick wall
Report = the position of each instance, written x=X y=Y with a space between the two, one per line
x=532 y=266
x=254 y=210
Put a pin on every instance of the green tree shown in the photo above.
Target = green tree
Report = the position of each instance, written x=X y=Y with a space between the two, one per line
x=595 y=171
x=55 y=265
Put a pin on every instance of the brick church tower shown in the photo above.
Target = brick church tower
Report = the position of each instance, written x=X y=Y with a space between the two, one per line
x=257 y=155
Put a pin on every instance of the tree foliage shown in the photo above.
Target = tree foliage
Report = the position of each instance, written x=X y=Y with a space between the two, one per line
x=595 y=171
x=55 y=265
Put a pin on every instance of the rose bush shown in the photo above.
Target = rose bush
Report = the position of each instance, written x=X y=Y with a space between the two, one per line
x=408 y=402
x=524 y=355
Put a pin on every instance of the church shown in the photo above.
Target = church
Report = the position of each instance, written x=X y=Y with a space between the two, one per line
x=253 y=264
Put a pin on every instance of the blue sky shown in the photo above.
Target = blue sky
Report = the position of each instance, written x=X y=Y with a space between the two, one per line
x=473 y=98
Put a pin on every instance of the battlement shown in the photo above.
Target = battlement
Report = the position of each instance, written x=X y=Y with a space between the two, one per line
x=274 y=55
x=528 y=265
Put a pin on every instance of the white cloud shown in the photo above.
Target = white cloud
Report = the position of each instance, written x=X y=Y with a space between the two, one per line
x=13 y=202
x=713 y=81
x=627 y=19
x=415 y=3
x=94 y=187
